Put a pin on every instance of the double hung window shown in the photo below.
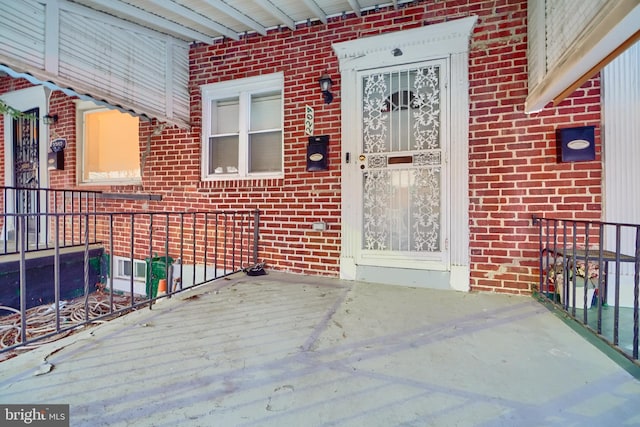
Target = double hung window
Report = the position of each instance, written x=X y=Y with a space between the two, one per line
x=242 y=128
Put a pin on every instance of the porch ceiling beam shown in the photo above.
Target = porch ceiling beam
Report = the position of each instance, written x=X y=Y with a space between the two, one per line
x=195 y=17
x=276 y=13
x=238 y=16
x=138 y=15
x=313 y=6
x=356 y=7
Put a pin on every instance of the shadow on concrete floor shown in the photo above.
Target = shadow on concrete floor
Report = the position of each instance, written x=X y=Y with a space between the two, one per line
x=287 y=350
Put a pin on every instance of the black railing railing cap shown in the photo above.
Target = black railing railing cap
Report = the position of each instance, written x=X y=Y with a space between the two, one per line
x=535 y=218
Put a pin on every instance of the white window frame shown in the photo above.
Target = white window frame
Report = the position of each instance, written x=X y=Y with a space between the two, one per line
x=243 y=89
x=119 y=269
x=83 y=107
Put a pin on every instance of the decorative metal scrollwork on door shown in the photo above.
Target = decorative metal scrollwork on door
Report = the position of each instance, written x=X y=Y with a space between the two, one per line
x=402 y=171
x=26 y=157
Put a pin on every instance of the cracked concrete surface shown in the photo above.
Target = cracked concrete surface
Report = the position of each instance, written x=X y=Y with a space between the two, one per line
x=286 y=350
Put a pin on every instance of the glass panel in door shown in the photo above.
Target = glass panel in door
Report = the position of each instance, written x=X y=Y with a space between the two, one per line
x=402 y=161
x=26 y=156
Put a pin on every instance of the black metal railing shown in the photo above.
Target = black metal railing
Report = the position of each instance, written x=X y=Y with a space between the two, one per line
x=591 y=269
x=178 y=250
x=22 y=200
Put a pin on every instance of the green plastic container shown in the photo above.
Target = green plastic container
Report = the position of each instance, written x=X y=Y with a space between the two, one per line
x=157 y=268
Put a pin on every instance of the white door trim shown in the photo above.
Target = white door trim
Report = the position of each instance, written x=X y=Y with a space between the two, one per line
x=449 y=40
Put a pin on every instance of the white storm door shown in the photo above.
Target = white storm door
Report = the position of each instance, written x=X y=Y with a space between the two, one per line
x=402 y=167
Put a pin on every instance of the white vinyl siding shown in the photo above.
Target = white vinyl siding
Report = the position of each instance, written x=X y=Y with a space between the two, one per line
x=561 y=55
x=621 y=151
x=95 y=54
x=23 y=31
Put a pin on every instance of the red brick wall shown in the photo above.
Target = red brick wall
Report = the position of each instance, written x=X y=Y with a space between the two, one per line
x=65 y=127
x=515 y=174
x=512 y=156
x=513 y=159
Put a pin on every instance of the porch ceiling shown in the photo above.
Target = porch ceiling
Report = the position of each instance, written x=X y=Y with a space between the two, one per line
x=206 y=20
x=51 y=42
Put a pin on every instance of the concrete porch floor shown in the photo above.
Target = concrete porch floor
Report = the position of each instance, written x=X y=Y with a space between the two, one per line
x=287 y=350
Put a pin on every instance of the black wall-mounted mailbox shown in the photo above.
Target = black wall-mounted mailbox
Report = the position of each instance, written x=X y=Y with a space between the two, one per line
x=55 y=160
x=577 y=144
x=317 y=153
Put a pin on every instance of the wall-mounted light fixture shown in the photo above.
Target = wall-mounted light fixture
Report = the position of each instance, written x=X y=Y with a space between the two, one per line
x=325 y=86
x=50 y=119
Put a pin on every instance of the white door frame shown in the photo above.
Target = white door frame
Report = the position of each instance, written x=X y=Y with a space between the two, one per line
x=449 y=40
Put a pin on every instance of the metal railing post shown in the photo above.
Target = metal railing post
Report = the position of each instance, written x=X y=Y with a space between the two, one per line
x=181 y=249
x=636 y=295
x=233 y=238
x=574 y=259
x=86 y=267
x=215 y=248
x=256 y=235
x=193 y=243
x=149 y=279
x=56 y=272
x=601 y=279
x=111 y=252
x=131 y=257
x=166 y=257
x=21 y=241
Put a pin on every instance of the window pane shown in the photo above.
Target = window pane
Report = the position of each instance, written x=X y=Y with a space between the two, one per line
x=266 y=111
x=225 y=116
x=265 y=152
x=243 y=116
x=223 y=154
x=111 y=146
x=125 y=268
x=141 y=270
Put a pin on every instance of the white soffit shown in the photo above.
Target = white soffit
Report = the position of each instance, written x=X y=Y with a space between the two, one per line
x=616 y=23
